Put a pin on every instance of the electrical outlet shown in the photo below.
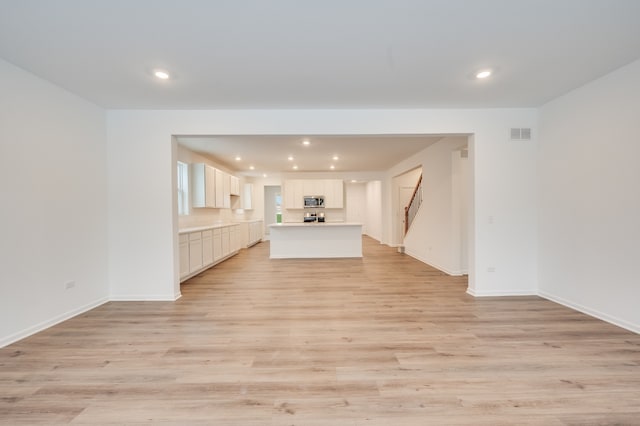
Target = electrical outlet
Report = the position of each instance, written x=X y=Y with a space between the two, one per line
x=69 y=285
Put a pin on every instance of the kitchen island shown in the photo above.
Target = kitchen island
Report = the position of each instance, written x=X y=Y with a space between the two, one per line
x=315 y=240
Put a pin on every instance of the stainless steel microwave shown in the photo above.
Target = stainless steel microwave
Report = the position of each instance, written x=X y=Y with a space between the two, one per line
x=313 y=201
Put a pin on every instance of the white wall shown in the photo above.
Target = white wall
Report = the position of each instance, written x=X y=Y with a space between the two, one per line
x=502 y=222
x=435 y=232
x=141 y=246
x=53 y=176
x=373 y=218
x=356 y=203
x=589 y=200
x=407 y=180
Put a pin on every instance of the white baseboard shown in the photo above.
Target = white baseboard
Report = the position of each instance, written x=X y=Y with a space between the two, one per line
x=592 y=312
x=144 y=297
x=475 y=293
x=50 y=322
x=434 y=265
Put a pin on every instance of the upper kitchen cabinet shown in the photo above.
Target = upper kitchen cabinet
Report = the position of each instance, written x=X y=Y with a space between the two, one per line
x=247 y=197
x=334 y=194
x=296 y=189
x=235 y=186
x=294 y=194
x=211 y=187
x=203 y=187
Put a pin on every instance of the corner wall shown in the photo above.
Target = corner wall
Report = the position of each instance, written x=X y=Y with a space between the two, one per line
x=53 y=177
x=589 y=200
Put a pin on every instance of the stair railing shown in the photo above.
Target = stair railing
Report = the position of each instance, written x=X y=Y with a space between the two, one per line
x=411 y=210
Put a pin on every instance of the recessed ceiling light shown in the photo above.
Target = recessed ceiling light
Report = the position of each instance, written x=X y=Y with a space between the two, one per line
x=238 y=158
x=264 y=175
x=336 y=158
x=332 y=167
x=306 y=142
x=290 y=158
x=162 y=75
x=354 y=181
x=483 y=74
x=295 y=167
x=251 y=168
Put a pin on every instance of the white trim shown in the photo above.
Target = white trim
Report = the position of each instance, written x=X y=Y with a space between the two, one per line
x=434 y=265
x=499 y=293
x=144 y=297
x=592 y=312
x=12 y=338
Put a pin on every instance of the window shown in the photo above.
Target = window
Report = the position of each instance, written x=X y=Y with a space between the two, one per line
x=183 y=188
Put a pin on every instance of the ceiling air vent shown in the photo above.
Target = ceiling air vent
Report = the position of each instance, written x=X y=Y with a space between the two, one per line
x=520 y=134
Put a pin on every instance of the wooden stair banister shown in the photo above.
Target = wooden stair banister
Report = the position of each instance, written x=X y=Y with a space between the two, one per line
x=408 y=207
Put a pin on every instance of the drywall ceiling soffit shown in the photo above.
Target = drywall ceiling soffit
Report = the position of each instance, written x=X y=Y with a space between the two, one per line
x=270 y=154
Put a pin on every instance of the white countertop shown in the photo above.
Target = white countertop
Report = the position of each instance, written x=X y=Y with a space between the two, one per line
x=215 y=226
x=204 y=228
x=310 y=224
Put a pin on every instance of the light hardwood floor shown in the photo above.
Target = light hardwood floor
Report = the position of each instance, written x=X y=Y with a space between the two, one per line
x=383 y=340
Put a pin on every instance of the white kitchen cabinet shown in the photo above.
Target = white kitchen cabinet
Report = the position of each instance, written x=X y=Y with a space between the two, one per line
x=334 y=194
x=251 y=233
x=183 y=243
x=294 y=193
x=234 y=186
x=207 y=247
x=203 y=188
x=247 y=197
x=226 y=187
x=226 y=242
x=217 y=244
x=256 y=232
x=296 y=189
x=195 y=251
x=234 y=238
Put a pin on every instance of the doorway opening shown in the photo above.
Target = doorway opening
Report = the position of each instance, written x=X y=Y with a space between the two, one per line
x=272 y=207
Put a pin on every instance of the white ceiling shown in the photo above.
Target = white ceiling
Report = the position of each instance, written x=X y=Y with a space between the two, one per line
x=269 y=154
x=319 y=54
x=259 y=54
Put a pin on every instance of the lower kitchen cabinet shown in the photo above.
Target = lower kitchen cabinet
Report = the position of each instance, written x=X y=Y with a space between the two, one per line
x=183 y=243
x=206 y=247
x=251 y=233
x=195 y=252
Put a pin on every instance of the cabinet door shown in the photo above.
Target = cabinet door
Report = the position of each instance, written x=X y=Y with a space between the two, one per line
x=219 y=188
x=335 y=194
x=183 y=240
x=247 y=196
x=217 y=244
x=293 y=192
x=195 y=251
x=202 y=186
x=210 y=186
x=235 y=185
x=234 y=239
x=207 y=247
x=226 y=242
x=226 y=202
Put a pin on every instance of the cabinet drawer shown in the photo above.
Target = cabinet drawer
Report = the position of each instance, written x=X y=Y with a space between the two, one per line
x=207 y=234
x=195 y=236
x=217 y=232
x=183 y=238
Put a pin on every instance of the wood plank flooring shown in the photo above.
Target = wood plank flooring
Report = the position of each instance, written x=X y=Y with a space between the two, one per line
x=383 y=340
